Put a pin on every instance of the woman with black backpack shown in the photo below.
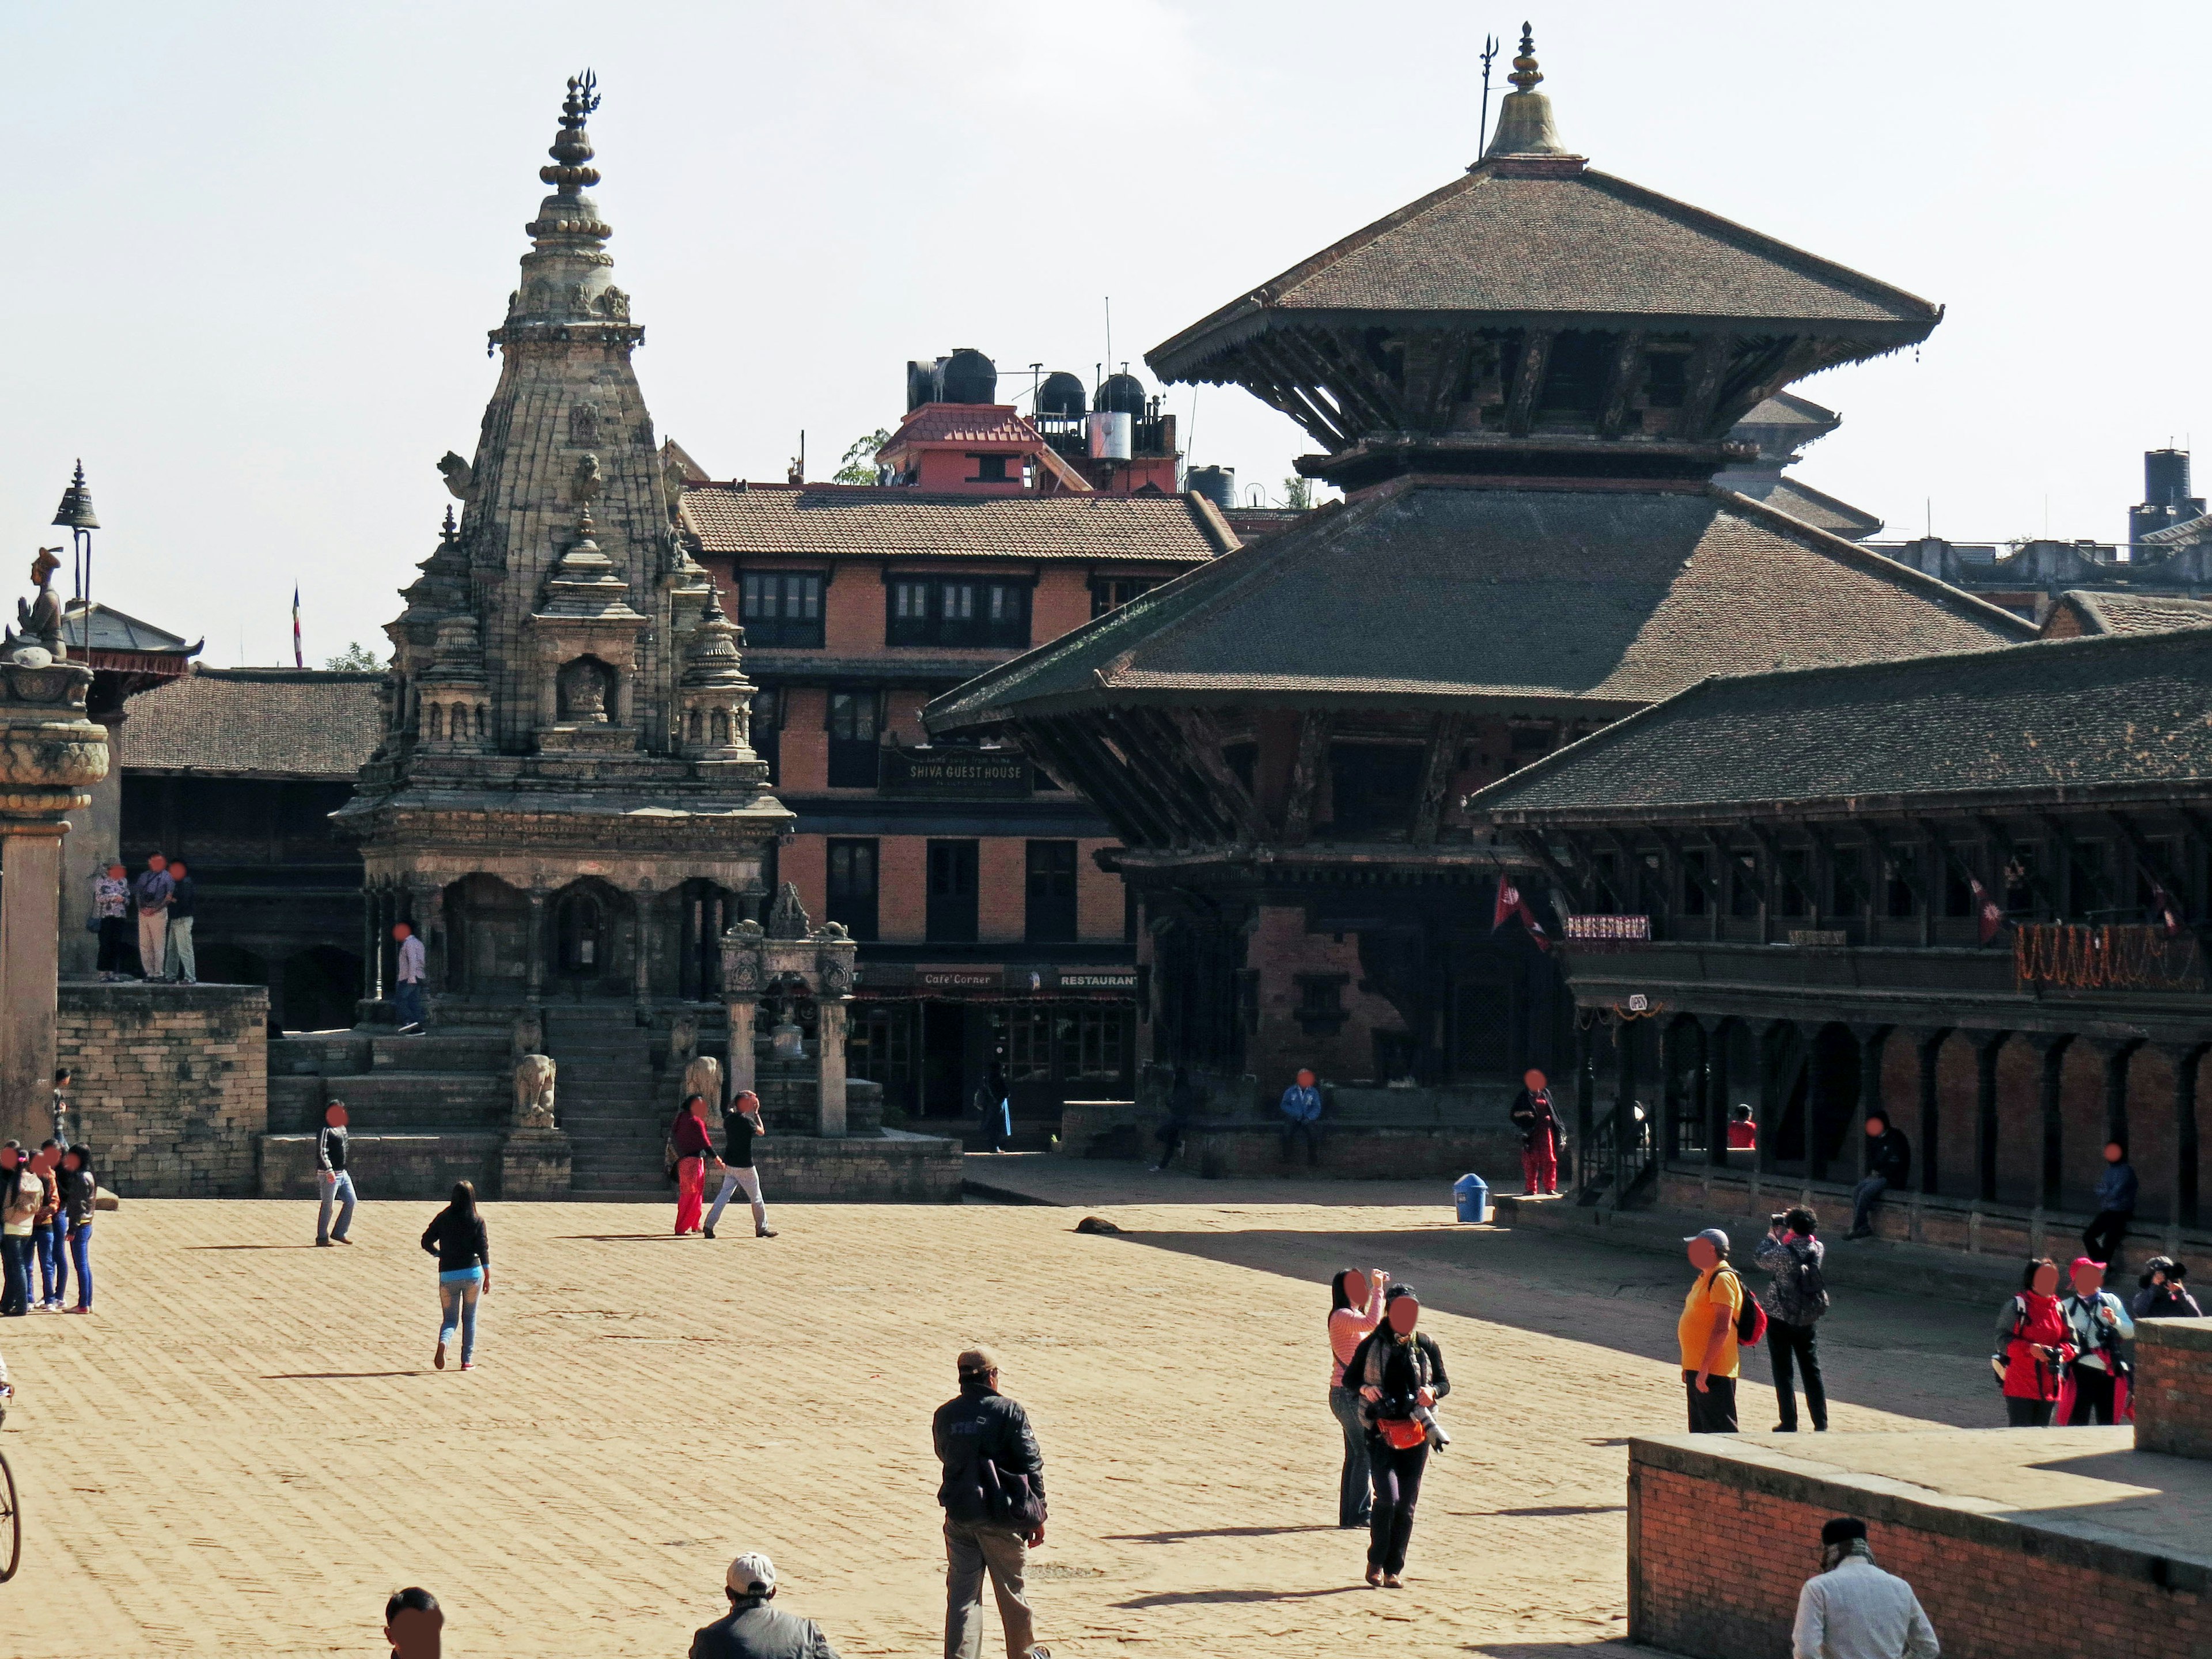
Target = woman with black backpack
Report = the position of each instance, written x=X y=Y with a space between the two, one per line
x=1797 y=1298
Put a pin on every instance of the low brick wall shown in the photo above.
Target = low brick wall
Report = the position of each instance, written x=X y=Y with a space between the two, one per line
x=1719 y=1542
x=1109 y=1129
x=889 y=1169
x=387 y=1166
x=2174 y=1387
x=171 y=1084
x=1355 y=1152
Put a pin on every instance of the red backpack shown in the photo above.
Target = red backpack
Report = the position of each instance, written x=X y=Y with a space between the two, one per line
x=1750 y=1318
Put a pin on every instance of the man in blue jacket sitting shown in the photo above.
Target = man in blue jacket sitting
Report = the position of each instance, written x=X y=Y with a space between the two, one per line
x=1301 y=1116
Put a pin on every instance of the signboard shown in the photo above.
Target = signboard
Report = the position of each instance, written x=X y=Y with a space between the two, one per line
x=927 y=978
x=1098 y=979
x=1584 y=929
x=974 y=978
x=965 y=773
x=1819 y=936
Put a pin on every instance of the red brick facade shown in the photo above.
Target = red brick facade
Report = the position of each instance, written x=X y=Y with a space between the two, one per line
x=1718 y=1549
x=2174 y=1387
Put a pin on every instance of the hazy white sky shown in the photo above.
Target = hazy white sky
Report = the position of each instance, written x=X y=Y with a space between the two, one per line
x=254 y=248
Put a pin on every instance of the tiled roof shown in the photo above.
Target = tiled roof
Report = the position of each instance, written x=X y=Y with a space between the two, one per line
x=887 y=522
x=965 y=423
x=1804 y=504
x=1537 y=595
x=262 y=722
x=2078 y=611
x=112 y=630
x=1788 y=409
x=2103 y=715
x=1568 y=243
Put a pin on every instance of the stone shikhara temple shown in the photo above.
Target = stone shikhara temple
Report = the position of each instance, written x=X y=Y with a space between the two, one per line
x=1525 y=383
x=564 y=804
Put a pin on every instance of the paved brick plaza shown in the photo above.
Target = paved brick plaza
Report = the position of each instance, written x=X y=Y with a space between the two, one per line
x=245 y=1447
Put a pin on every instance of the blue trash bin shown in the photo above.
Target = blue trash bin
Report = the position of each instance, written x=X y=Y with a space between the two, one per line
x=1471 y=1192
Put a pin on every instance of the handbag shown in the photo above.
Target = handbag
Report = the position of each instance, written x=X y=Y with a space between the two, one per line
x=1402 y=1433
x=1012 y=1500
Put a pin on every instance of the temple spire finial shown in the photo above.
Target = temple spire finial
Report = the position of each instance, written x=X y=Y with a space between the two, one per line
x=1524 y=114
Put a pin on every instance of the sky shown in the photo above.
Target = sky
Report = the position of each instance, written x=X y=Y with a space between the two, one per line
x=255 y=247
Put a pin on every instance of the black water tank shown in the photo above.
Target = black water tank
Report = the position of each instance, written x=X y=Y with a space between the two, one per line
x=967 y=377
x=1119 y=394
x=2166 y=477
x=1060 y=394
x=1217 y=483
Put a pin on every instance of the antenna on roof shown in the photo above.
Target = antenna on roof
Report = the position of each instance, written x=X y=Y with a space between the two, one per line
x=1482 y=133
x=1109 y=328
x=1036 y=383
x=798 y=475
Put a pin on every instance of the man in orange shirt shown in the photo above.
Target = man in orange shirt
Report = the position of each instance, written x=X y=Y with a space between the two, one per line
x=1706 y=1333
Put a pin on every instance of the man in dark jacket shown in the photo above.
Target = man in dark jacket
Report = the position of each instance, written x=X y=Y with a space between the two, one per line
x=754 y=1630
x=1889 y=1162
x=993 y=1498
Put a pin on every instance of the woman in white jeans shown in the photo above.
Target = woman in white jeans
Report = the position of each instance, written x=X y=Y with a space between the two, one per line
x=743 y=1123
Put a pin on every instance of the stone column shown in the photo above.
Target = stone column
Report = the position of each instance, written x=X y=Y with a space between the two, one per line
x=1927 y=1049
x=2053 y=1052
x=2117 y=1058
x=741 y=1012
x=829 y=1120
x=534 y=978
x=1766 y=1108
x=2184 y=1058
x=51 y=754
x=643 y=966
x=1988 y=1046
x=1716 y=1093
x=430 y=923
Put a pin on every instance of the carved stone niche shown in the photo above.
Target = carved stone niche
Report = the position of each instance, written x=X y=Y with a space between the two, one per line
x=585 y=691
x=791 y=953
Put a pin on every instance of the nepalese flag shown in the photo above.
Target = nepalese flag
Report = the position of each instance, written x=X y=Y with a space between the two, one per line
x=298 y=661
x=1985 y=910
x=1511 y=903
x=2161 y=901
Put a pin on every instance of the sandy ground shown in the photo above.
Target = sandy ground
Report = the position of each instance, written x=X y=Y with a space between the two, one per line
x=245 y=1447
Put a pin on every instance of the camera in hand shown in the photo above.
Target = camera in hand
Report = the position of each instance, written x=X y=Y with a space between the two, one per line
x=1396 y=1407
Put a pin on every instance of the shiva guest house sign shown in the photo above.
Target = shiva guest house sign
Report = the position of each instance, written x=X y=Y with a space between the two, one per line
x=992 y=774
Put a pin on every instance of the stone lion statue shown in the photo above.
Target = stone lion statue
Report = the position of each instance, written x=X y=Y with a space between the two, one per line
x=703 y=1076
x=527 y=1034
x=683 y=1040
x=533 y=1092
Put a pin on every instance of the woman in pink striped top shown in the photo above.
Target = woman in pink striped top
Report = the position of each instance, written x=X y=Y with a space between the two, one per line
x=1355 y=1310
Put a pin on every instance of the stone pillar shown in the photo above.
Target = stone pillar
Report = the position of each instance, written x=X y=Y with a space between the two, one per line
x=741 y=1013
x=829 y=1067
x=2184 y=1058
x=1766 y=1108
x=1988 y=1046
x=2118 y=1057
x=430 y=914
x=643 y=974
x=1716 y=1093
x=2053 y=1052
x=1927 y=1049
x=534 y=978
x=50 y=755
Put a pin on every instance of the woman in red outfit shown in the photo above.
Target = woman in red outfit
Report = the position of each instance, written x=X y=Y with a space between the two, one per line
x=2035 y=1335
x=693 y=1148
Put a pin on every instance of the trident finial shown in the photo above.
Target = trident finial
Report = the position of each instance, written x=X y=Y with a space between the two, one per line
x=583 y=98
x=1525 y=74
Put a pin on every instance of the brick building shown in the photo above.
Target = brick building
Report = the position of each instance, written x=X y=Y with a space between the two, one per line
x=988 y=930
x=1969 y=891
x=1525 y=382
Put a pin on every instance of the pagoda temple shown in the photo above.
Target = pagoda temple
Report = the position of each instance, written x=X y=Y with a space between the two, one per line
x=1524 y=382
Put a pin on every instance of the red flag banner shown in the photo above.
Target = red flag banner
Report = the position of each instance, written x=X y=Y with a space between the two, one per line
x=1985 y=910
x=2169 y=915
x=1509 y=901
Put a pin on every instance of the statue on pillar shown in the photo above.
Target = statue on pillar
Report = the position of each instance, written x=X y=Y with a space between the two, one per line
x=40 y=617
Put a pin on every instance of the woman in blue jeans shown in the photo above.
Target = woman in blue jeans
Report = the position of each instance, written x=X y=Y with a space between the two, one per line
x=1355 y=1308
x=79 y=1192
x=456 y=1237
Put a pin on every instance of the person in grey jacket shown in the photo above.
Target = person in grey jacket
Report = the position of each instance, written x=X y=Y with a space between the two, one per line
x=754 y=1630
x=1851 y=1609
x=1795 y=1299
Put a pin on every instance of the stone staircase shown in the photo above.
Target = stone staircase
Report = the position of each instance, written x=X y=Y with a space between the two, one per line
x=609 y=1097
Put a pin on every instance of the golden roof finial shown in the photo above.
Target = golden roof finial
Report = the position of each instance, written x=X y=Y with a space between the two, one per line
x=1525 y=73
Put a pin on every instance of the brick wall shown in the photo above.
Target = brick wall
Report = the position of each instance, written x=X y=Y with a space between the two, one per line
x=1101 y=903
x=902 y=887
x=1717 y=1550
x=2174 y=1387
x=1001 y=889
x=172 y=1084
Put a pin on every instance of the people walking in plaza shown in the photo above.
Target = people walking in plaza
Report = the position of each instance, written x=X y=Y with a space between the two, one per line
x=1301 y=1109
x=1355 y=1310
x=994 y=1109
x=993 y=1494
x=2032 y=1333
x=181 y=964
x=1541 y=1130
x=407 y=980
x=21 y=1193
x=741 y=1127
x=149 y=894
x=1398 y=1371
x=2164 y=1291
x=1889 y=1164
x=333 y=1180
x=1851 y=1609
x=80 y=1190
x=414 y=1623
x=50 y=1232
x=1706 y=1333
x=754 y=1630
x=2097 y=1324
x=456 y=1237
x=1792 y=1252
x=2115 y=1206
x=694 y=1146
x=111 y=905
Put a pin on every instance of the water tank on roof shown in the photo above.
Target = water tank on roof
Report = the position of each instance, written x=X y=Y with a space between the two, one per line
x=1217 y=483
x=1060 y=394
x=2166 y=477
x=967 y=377
x=1119 y=394
x=1107 y=436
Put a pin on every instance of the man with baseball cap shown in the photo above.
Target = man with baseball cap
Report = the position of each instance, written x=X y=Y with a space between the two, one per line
x=1851 y=1609
x=754 y=1630
x=995 y=1509
x=1706 y=1335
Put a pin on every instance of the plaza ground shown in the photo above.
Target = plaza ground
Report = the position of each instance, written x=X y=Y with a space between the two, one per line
x=245 y=1447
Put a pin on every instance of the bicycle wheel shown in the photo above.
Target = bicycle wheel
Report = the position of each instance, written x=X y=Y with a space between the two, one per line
x=11 y=1523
